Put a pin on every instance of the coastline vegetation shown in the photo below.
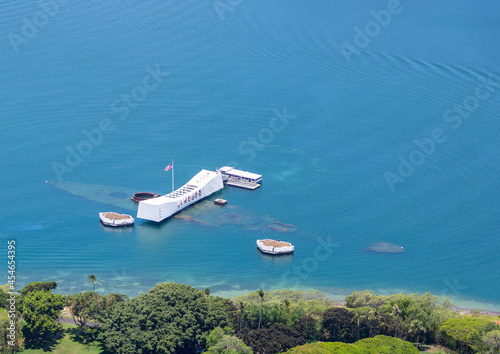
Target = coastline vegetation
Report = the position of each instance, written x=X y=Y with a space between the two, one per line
x=178 y=318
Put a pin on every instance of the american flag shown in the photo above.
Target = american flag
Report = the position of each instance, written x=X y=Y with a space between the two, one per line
x=169 y=167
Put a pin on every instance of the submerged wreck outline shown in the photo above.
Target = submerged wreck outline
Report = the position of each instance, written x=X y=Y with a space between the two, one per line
x=198 y=213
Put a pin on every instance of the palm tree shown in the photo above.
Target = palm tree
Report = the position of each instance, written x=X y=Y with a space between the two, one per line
x=396 y=311
x=242 y=308
x=360 y=314
x=417 y=327
x=373 y=316
x=261 y=294
x=356 y=319
x=93 y=279
x=286 y=316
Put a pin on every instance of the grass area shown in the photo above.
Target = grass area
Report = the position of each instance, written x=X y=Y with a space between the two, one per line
x=72 y=342
x=435 y=350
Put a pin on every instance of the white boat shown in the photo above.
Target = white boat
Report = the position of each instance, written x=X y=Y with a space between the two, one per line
x=229 y=173
x=274 y=246
x=203 y=184
x=110 y=218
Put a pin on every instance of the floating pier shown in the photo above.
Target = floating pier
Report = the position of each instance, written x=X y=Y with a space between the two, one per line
x=274 y=246
x=116 y=219
x=242 y=184
x=220 y=201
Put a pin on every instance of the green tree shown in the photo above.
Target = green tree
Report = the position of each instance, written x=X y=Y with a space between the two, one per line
x=377 y=345
x=431 y=312
x=261 y=294
x=374 y=317
x=11 y=342
x=361 y=315
x=384 y=344
x=396 y=313
x=491 y=342
x=463 y=334
x=416 y=328
x=219 y=342
x=281 y=306
x=275 y=339
x=242 y=312
x=85 y=306
x=38 y=286
x=111 y=299
x=308 y=325
x=39 y=310
x=337 y=323
x=4 y=299
x=169 y=318
x=365 y=298
x=93 y=279
x=314 y=348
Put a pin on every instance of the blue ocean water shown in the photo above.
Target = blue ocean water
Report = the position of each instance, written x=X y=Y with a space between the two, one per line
x=364 y=131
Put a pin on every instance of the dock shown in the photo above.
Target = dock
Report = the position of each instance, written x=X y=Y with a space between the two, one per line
x=220 y=201
x=274 y=246
x=242 y=184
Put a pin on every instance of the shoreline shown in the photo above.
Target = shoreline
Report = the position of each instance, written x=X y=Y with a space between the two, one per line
x=334 y=294
x=459 y=306
x=470 y=311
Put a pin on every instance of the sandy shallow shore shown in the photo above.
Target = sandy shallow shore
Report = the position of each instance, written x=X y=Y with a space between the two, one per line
x=468 y=311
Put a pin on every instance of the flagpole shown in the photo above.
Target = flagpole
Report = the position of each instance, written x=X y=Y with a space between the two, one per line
x=172 y=175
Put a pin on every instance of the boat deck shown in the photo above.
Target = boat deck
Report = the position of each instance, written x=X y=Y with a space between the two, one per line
x=116 y=216
x=243 y=184
x=275 y=243
x=230 y=172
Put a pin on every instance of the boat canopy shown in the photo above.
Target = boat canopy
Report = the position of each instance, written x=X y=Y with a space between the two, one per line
x=232 y=172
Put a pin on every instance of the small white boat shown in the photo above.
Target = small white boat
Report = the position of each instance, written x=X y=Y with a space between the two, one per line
x=229 y=173
x=274 y=246
x=110 y=218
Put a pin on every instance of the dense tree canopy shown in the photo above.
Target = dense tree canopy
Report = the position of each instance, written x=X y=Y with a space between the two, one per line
x=407 y=316
x=38 y=286
x=169 y=318
x=11 y=336
x=40 y=309
x=177 y=318
x=4 y=299
x=219 y=342
x=385 y=344
x=337 y=323
x=275 y=339
x=377 y=345
x=85 y=306
x=279 y=306
x=490 y=342
x=465 y=334
x=365 y=298
x=310 y=326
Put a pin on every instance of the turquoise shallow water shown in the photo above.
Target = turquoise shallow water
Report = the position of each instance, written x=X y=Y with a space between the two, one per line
x=265 y=87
